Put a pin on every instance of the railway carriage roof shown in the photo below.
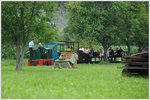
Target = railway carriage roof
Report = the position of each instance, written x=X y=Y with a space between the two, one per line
x=65 y=42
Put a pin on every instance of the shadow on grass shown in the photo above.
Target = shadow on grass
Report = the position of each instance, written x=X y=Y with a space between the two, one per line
x=137 y=75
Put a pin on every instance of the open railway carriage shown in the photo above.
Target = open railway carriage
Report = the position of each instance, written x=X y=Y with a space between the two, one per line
x=73 y=47
x=67 y=58
x=62 y=47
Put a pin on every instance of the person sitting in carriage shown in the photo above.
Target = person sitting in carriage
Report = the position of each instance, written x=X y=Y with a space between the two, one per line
x=86 y=54
x=42 y=50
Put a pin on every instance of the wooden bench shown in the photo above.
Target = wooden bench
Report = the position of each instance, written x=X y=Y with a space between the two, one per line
x=95 y=59
x=113 y=59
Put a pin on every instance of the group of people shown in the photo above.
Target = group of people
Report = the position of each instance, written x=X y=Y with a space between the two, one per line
x=87 y=52
x=31 y=50
x=100 y=53
x=117 y=53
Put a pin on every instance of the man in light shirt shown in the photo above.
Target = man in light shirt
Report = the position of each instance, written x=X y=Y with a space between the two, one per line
x=31 y=46
x=82 y=49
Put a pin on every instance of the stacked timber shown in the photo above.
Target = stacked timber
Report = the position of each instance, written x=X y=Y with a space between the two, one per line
x=136 y=63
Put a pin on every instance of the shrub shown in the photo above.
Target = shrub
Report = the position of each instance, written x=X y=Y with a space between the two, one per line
x=9 y=52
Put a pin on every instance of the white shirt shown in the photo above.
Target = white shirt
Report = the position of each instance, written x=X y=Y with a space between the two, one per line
x=107 y=53
x=82 y=49
x=31 y=44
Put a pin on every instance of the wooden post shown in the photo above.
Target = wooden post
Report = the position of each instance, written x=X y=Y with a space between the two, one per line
x=60 y=48
x=73 y=46
x=78 y=45
x=63 y=47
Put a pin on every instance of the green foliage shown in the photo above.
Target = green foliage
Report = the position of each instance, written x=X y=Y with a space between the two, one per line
x=132 y=22
x=95 y=81
x=92 y=20
x=140 y=26
x=22 y=21
x=9 y=52
x=108 y=23
x=35 y=21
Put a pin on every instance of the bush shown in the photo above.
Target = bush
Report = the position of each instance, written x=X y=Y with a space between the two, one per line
x=9 y=52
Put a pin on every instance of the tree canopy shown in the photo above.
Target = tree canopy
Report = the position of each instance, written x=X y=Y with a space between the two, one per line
x=22 y=21
x=109 y=23
x=132 y=23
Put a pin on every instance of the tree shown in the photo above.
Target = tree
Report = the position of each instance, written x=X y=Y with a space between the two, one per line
x=21 y=22
x=140 y=26
x=132 y=23
x=94 y=20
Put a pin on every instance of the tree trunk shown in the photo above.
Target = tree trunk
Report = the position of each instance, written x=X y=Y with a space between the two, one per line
x=19 y=67
x=105 y=46
x=17 y=53
x=105 y=53
x=128 y=45
x=140 y=47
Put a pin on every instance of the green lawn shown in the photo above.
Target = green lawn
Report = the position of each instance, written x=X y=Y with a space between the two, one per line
x=96 y=81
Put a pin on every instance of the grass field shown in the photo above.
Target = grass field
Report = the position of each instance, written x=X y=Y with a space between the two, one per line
x=96 y=81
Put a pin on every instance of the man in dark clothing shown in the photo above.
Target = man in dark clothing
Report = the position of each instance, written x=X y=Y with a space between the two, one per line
x=42 y=50
x=117 y=52
x=86 y=57
x=120 y=52
x=91 y=52
x=111 y=54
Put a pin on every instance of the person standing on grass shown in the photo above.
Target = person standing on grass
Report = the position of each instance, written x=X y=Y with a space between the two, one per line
x=31 y=49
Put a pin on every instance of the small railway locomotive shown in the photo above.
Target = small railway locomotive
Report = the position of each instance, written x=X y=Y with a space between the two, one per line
x=42 y=59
